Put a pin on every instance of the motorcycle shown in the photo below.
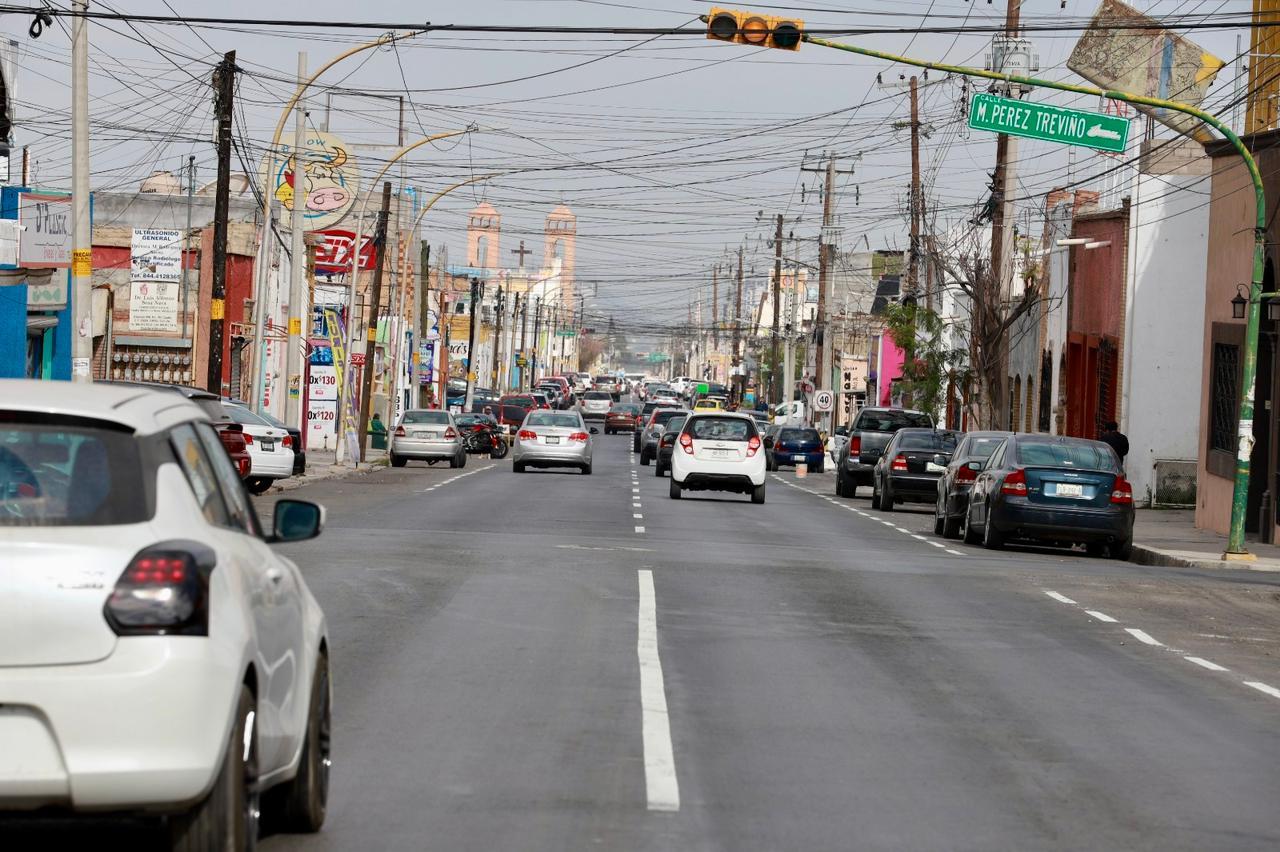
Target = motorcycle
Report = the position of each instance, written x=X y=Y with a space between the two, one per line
x=486 y=439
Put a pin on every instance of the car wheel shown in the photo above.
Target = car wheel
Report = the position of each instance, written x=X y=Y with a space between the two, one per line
x=227 y=818
x=258 y=485
x=821 y=466
x=300 y=805
x=841 y=490
x=757 y=494
x=675 y=489
x=658 y=469
x=967 y=532
x=1122 y=550
x=992 y=538
x=518 y=467
x=875 y=495
x=886 y=499
x=586 y=469
x=939 y=518
x=950 y=525
x=644 y=458
x=398 y=461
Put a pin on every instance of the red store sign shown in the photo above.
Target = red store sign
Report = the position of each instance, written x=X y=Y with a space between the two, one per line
x=334 y=254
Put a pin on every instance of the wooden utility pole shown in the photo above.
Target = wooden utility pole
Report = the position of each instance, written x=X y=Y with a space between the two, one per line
x=371 y=336
x=775 y=387
x=911 y=284
x=1001 y=247
x=224 y=95
x=526 y=376
x=824 y=270
x=497 y=342
x=477 y=293
x=445 y=340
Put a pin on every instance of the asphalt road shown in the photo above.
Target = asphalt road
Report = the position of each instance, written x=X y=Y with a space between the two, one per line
x=520 y=662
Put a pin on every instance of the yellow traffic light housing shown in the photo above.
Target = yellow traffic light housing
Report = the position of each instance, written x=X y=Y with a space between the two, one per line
x=754 y=29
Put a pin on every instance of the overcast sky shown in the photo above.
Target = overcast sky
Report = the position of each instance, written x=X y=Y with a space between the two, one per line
x=665 y=147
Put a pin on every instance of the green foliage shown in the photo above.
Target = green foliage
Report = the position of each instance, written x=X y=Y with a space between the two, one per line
x=917 y=331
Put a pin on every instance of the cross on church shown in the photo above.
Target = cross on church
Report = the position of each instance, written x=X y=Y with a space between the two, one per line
x=522 y=251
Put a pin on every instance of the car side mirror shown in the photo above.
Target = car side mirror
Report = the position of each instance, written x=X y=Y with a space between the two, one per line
x=939 y=458
x=296 y=520
x=595 y=431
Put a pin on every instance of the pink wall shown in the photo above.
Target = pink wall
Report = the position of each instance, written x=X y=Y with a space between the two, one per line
x=891 y=360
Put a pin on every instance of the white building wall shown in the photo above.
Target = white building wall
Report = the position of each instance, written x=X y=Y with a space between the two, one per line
x=1058 y=272
x=1168 y=246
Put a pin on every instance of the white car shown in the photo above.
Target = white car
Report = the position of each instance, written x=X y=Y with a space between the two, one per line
x=270 y=448
x=157 y=658
x=718 y=451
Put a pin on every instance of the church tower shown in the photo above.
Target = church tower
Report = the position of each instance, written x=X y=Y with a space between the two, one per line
x=484 y=228
x=562 y=233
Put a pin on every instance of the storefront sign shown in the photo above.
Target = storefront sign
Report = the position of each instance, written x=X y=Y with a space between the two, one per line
x=46 y=237
x=153 y=306
x=155 y=255
x=334 y=254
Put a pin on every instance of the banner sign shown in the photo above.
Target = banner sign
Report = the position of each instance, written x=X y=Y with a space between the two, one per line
x=46 y=239
x=155 y=254
x=334 y=254
x=153 y=306
x=344 y=379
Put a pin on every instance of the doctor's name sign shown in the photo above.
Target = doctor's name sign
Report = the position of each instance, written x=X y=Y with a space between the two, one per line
x=1049 y=123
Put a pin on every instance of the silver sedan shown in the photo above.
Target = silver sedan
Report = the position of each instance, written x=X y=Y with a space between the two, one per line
x=427 y=434
x=552 y=439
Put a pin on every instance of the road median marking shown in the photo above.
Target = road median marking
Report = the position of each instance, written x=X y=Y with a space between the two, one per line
x=1143 y=636
x=1206 y=664
x=661 y=786
x=1101 y=616
x=1262 y=687
x=1061 y=598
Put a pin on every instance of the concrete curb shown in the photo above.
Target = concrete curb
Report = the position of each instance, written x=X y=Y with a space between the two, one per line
x=1146 y=555
x=323 y=476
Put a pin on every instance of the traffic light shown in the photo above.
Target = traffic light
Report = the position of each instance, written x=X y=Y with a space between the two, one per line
x=754 y=29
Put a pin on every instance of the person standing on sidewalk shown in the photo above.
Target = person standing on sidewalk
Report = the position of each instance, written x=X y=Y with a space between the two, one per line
x=1114 y=438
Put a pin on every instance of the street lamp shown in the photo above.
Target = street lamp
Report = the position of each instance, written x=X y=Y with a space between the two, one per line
x=1239 y=303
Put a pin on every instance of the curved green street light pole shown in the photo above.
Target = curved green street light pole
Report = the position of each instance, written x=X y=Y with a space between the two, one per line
x=1236 y=549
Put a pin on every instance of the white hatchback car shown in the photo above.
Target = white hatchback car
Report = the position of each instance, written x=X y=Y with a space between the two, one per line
x=156 y=656
x=718 y=451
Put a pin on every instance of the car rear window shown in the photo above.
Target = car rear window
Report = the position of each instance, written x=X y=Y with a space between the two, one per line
x=982 y=448
x=675 y=424
x=597 y=395
x=664 y=417
x=55 y=474
x=550 y=418
x=928 y=441
x=799 y=435
x=1084 y=455
x=721 y=429
x=526 y=401
x=244 y=416
x=435 y=418
x=891 y=421
x=628 y=408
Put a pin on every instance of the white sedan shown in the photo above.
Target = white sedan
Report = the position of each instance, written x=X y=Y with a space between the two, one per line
x=270 y=448
x=157 y=658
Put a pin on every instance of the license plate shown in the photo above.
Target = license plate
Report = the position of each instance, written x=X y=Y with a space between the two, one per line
x=268 y=446
x=553 y=440
x=1068 y=489
x=934 y=467
x=799 y=458
x=724 y=454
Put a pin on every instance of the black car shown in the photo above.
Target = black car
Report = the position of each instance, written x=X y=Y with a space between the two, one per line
x=908 y=469
x=667 y=445
x=483 y=398
x=953 y=486
x=794 y=445
x=1054 y=490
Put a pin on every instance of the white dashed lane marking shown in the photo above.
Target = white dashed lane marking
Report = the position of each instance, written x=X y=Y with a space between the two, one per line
x=1060 y=598
x=1206 y=664
x=661 y=786
x=1262 y=687
x=639 y=529
x=1143 y=636
x=456 y=478
x=1101 y=616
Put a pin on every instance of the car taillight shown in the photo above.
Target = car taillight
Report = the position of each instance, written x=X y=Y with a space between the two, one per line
x=964 y=473
x=578 y=436
x=1015 y=484
x=668 y=440
x=450 y=434
x=399 y=431
x=899 y=463
x=753 y=446
x=165 y=590
x=855 y=447
x=248 y=439
x=1122 y=491
x=527 y=435
x=686 y=443
x=287 y=440
x=245 y=466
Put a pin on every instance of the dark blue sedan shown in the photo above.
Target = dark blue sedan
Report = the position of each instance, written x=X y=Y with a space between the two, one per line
x=1052 y=490
x=793 y=446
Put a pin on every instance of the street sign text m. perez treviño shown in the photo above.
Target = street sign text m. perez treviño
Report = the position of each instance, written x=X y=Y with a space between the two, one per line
x=1050 y=123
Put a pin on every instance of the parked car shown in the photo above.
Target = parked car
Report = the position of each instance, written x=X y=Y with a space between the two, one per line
x=666 y=444
x=953 y=486
x=299 y=454
x=869 y=435
x=427 y=434
x=793 y=445
x=622 y=417
x=552 y=439
x=270 y=448
x=910 y=466
x=595 y=404
x=653 y=429
x=567 y=397
x=719 y=452
x=230 y=433
x=159 y=656
x=484 y=401
x=1052 y=489
x=456 y=393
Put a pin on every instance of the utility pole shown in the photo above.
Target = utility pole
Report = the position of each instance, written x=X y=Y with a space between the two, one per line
x=789 y=380
x=824 y=264
x=1002 y=219
x=737 y=334
x=81 y=231
x=715 y=302
x=536 y=364
x=297 y=265
x=224 y=94
x=774 y=391
x=497 y=342
x=477 y=292
x=911 y=285
x=525 y=374
x=380 y=246
x=446 y=338
x=422 y=296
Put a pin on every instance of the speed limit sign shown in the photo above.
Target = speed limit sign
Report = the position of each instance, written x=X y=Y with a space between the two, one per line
x=823 y=400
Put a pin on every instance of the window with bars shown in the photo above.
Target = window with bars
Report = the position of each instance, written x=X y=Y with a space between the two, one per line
x=1224 y=407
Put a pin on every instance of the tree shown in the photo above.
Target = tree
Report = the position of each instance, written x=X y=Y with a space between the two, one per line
x=927 y=362
x=986 y=315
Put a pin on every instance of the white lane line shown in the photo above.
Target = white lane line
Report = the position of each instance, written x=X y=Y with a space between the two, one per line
x=1061 y=598
x=639 y=529
x=635 y=490
x=922 y=538
x=887 y=523
x=905 y=531
x=637 y=516
x=1143 y=636
x=938 y=544
x=655 y=725
x=1262 y=687
x=954 y=552
x=1101 y=616
x=1206 y=664
x=635 y=505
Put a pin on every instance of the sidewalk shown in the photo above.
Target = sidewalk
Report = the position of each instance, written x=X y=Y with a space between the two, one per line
x=1169 y=538
x=322 y=465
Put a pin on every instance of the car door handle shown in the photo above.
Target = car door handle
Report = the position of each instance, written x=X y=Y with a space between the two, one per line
x=275 y=575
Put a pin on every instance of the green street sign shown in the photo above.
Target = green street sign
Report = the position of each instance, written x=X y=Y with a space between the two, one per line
x=566 y=332
x=703 y=388
x=1049 y=123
